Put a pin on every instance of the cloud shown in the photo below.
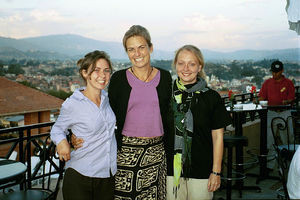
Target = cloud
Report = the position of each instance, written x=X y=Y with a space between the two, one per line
x=214 y=32
x=201 y=23
x=11 y=19
x=48 y=15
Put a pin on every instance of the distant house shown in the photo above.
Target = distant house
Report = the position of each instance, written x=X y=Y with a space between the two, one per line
x=34 y=105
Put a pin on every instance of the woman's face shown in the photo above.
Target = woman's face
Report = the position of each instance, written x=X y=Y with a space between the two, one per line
x=187 y=67
x=138 y=51
x=100 y=77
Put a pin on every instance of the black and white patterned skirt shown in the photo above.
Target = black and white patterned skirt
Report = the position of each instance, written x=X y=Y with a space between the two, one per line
x=141 y=170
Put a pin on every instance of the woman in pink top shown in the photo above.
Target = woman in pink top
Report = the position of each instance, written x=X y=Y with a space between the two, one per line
x=140 y=98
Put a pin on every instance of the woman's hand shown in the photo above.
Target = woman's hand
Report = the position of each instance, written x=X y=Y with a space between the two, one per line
x=214 y=182
x=64 y=150
x=76 y=142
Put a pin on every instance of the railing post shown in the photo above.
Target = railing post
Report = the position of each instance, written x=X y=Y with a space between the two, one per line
x=28 y=153
x=21 y=157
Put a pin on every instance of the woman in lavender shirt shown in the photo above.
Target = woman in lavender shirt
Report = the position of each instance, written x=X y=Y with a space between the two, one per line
x=90 y=170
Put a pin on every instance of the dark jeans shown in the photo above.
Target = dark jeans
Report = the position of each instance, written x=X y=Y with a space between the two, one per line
x=79 y=187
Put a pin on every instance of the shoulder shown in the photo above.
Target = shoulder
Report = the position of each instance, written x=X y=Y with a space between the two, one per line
x=163 y=72
x=70 y=103
x=118 y=74
x=117 y=78
x=288 y=81
x=268 y=81
x=211 y=97
x=165 y=75
x=211 y=93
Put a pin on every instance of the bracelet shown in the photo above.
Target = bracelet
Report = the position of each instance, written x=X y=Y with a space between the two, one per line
x=216 y=173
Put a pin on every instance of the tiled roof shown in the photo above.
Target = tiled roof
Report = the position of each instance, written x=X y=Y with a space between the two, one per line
x=17 y=99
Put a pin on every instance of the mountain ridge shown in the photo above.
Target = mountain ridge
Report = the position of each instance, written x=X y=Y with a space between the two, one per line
x=72 y=46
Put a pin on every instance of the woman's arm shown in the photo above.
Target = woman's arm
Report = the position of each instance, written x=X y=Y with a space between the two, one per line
x=59 y=131
x=214 y=180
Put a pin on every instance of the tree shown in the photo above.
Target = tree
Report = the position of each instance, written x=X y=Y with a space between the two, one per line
x=15 y=69
x=28 y=84
x=59 y=94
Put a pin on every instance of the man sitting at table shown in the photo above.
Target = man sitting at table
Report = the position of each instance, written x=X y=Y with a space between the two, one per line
x=277 y=90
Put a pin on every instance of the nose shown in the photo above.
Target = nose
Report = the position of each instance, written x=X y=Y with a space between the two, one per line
x=101 y=73
x=186 y=67
x=137 y=52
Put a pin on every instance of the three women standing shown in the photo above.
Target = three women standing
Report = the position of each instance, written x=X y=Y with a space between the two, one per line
x=141 y=98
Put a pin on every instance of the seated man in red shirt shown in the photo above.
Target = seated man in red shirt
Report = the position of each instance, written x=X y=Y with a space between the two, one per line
x=277 y=90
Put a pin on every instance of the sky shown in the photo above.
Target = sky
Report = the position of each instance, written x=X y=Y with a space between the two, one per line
x=218 y=25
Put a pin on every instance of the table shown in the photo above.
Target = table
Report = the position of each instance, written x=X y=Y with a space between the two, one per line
x=239 y=118
x=10 y=170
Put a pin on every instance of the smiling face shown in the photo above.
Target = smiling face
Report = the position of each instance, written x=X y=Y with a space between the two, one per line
x=138 y=51
x=187 y=67
x=99 y=78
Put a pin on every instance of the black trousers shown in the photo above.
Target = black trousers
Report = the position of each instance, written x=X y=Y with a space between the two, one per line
x=79 y=187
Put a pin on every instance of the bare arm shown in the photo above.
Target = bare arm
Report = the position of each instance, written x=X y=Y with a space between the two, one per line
x=64 y=150
x=214 y=180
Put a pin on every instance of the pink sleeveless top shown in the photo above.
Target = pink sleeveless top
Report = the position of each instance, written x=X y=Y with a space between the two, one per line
x=143 y=117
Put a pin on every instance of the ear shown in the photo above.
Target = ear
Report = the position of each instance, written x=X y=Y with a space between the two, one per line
x=200 y=68
x=84 y=73
x=151 y=49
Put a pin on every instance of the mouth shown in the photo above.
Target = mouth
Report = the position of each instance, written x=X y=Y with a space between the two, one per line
x=186 y=74
x=101 y=82
x=138 y=59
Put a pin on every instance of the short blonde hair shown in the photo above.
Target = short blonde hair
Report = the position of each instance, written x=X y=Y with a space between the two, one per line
x=137 y=30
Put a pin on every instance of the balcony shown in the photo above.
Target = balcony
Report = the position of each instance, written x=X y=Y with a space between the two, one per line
x=24 y=134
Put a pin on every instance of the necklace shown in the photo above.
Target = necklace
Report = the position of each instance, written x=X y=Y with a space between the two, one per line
x=138 y=77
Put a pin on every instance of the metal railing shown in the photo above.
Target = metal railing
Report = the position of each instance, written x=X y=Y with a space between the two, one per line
x=24 y=136
x=24 y=133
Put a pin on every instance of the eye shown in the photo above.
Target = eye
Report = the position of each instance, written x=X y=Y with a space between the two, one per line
x=130 y=49
x=192 y=64
x=180 y=63
x=107 y=71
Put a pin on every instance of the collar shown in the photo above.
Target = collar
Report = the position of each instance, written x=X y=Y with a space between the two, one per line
x=79 y=96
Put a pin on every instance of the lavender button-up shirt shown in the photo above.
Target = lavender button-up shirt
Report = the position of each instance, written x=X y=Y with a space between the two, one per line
x=98 y=155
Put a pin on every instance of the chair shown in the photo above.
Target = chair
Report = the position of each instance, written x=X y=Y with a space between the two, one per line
x=283 y=139
x=13 y=155
x=285 y=147
x=39 y=184
x=283 y=168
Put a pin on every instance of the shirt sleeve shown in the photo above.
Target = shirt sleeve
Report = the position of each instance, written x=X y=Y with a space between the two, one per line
x=291 y=91
x=62 y=124
x=221 y=117
x=263 y=91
